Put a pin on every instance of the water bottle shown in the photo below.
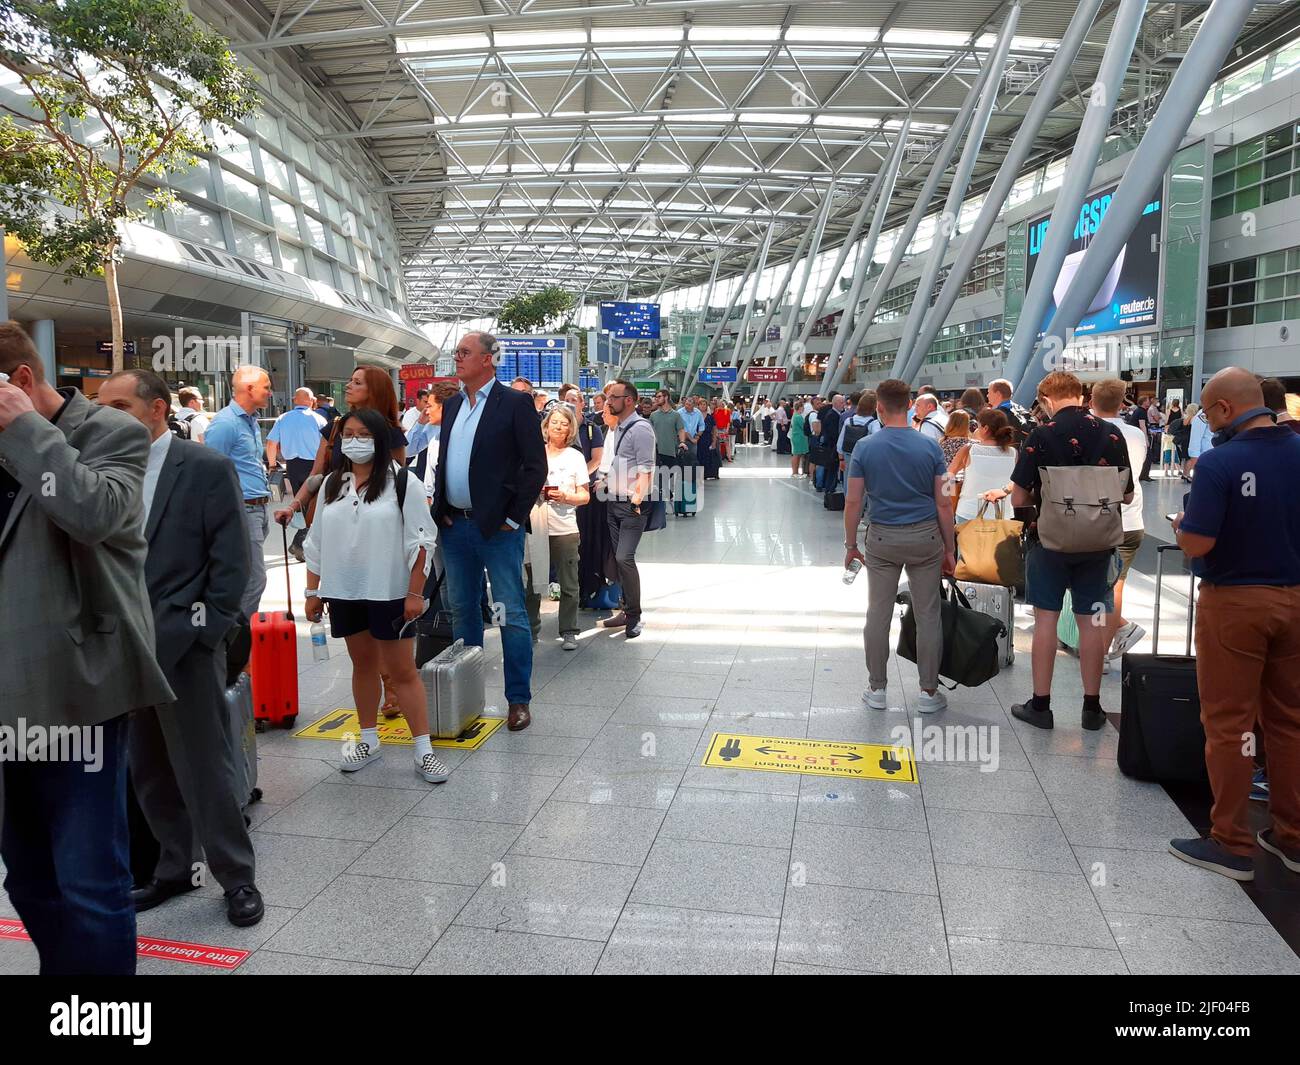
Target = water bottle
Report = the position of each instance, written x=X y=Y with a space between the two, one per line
x=851 y=574
x=320 y=648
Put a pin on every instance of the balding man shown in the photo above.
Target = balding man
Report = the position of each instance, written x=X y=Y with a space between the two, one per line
x=234 y=432
x=928 y=417
x=295 y=437
x=1242 y=526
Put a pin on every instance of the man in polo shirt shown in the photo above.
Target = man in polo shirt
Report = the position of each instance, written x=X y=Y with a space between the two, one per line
x=295 y=437
x=900 y=475
x=235 y=434
x=670 y=438
x=1242 y=529
x=632 y=444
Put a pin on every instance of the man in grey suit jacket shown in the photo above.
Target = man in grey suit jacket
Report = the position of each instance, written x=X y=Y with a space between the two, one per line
x=182 y=754
x=76 y=655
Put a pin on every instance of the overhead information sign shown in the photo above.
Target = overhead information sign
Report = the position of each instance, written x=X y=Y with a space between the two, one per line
x=339 y=724
x=630 y=321
x=718 y=375
x=825 y=758
x=766 y=373
x=538 y=358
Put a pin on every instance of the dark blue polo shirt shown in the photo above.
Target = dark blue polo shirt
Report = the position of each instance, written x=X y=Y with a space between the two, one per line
x=1244 y=494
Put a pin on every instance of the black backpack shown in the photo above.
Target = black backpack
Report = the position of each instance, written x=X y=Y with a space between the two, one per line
x=854 y=432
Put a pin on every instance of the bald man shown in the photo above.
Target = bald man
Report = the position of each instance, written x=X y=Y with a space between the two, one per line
x=295 y=437
x=1242 y=528
x=235 y=433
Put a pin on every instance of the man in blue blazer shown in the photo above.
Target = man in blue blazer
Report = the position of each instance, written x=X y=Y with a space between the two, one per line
x=491 y=468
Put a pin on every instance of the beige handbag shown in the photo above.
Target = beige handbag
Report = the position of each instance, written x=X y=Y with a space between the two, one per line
x=988 y=549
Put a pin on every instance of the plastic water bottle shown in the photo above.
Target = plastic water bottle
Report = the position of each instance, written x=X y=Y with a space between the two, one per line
x=851 y=574
x=320 y=648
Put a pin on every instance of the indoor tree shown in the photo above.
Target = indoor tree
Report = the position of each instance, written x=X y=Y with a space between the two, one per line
x=118 y=91
x=530 y=312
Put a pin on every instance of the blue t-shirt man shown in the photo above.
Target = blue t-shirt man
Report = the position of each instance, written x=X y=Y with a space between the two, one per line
x=1244 y=496
x=899 y=466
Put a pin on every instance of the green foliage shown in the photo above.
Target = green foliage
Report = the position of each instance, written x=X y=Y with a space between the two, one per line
x=120 y=89
x=533 y=312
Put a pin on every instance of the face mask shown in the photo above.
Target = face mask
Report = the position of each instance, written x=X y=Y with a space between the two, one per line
x=1229 y=431
x=359 y=449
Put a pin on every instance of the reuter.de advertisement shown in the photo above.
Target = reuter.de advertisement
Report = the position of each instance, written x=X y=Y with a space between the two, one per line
x=1127 y=297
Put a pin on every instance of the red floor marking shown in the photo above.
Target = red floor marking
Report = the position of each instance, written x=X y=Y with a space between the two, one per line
x=149 y=947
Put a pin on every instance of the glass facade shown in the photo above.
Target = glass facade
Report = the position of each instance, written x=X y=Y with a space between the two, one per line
x=1262 y=288
x=1256 y=172
x=980 y=339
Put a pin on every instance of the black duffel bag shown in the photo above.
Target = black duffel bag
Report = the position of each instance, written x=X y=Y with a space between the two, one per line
x=970 y=638
x=433 y=632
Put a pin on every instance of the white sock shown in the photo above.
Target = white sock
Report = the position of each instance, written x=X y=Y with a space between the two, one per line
x=423 y=746
x=370 y=736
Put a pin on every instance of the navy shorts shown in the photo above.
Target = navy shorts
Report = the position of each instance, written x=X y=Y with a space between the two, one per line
x=351 y=616
x=1089 y=578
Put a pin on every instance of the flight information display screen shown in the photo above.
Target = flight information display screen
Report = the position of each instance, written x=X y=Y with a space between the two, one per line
x=540 y=359
x=630 y=321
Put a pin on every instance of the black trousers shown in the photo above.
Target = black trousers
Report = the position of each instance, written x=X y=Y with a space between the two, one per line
x=625 y=529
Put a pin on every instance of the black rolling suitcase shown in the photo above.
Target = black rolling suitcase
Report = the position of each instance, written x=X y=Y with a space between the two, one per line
x=1161 y=738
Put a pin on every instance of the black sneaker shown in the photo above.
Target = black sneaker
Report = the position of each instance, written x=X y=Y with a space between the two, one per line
x=1038 y=718
x=1093 y=719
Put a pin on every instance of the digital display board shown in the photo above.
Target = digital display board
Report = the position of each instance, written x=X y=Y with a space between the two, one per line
x=630 y=321
x=538 y=358
x=1128 y=295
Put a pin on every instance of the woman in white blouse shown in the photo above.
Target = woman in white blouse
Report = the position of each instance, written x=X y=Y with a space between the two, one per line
x=565 y=489
x=985 y=464
x=367 y=561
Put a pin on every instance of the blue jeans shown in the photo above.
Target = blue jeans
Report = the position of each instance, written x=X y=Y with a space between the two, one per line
x=66 y=847
x=467 y=554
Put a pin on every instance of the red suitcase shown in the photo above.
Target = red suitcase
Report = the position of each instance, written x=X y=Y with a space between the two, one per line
x=275 y=661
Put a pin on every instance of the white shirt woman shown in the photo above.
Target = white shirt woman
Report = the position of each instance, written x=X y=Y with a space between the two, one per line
x=986 y=462
x=367 y=560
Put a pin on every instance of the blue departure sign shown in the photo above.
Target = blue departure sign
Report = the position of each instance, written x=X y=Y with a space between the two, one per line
x=538 y=358
x=630 y=321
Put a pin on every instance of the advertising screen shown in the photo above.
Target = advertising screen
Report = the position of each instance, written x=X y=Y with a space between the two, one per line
x=1128 y=295
x=630 y=321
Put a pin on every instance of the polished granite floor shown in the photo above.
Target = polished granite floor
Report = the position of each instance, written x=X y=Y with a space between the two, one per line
x=595 y=841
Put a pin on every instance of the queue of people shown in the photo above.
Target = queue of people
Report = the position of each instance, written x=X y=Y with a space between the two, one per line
x=126 y=584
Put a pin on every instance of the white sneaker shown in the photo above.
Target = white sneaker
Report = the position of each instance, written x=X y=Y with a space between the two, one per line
x=432 y=769
x=357 y=755
x=570 y=642
x=929 y=704
x=876 y=699
x=1126 y=637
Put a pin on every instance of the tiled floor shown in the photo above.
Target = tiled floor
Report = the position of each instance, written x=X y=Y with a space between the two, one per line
x=596 y=841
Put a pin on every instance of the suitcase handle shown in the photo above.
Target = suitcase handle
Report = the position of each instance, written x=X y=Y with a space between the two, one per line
x=1191 y=599
x=288 y=588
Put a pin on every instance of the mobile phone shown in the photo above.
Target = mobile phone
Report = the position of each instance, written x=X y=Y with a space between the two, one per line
x=1171 y=517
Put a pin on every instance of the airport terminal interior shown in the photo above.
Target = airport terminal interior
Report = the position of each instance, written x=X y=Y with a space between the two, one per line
x=748 y=221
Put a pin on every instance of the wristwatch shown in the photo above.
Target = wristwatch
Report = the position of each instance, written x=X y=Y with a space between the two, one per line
x=311 y=593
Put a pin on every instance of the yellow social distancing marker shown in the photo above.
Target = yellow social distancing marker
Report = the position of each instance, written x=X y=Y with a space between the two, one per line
x=826 y=758
x=339 y=724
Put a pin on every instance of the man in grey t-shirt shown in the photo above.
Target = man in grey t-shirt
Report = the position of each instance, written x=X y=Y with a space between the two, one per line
x=900 y=474
x=627 y=487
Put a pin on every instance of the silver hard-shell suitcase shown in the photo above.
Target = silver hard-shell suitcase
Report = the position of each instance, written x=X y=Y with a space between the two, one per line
x=453 y=688
x=997 y=602
x=243 y=738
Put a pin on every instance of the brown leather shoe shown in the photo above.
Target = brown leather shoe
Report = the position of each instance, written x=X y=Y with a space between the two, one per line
x=618 y=621
x=519 y=718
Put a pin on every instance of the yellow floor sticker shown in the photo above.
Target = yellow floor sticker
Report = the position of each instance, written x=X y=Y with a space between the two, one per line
x=827 y=758
x=338 y=724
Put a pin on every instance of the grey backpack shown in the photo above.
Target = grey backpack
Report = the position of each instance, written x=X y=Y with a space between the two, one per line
x=1079 y=508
